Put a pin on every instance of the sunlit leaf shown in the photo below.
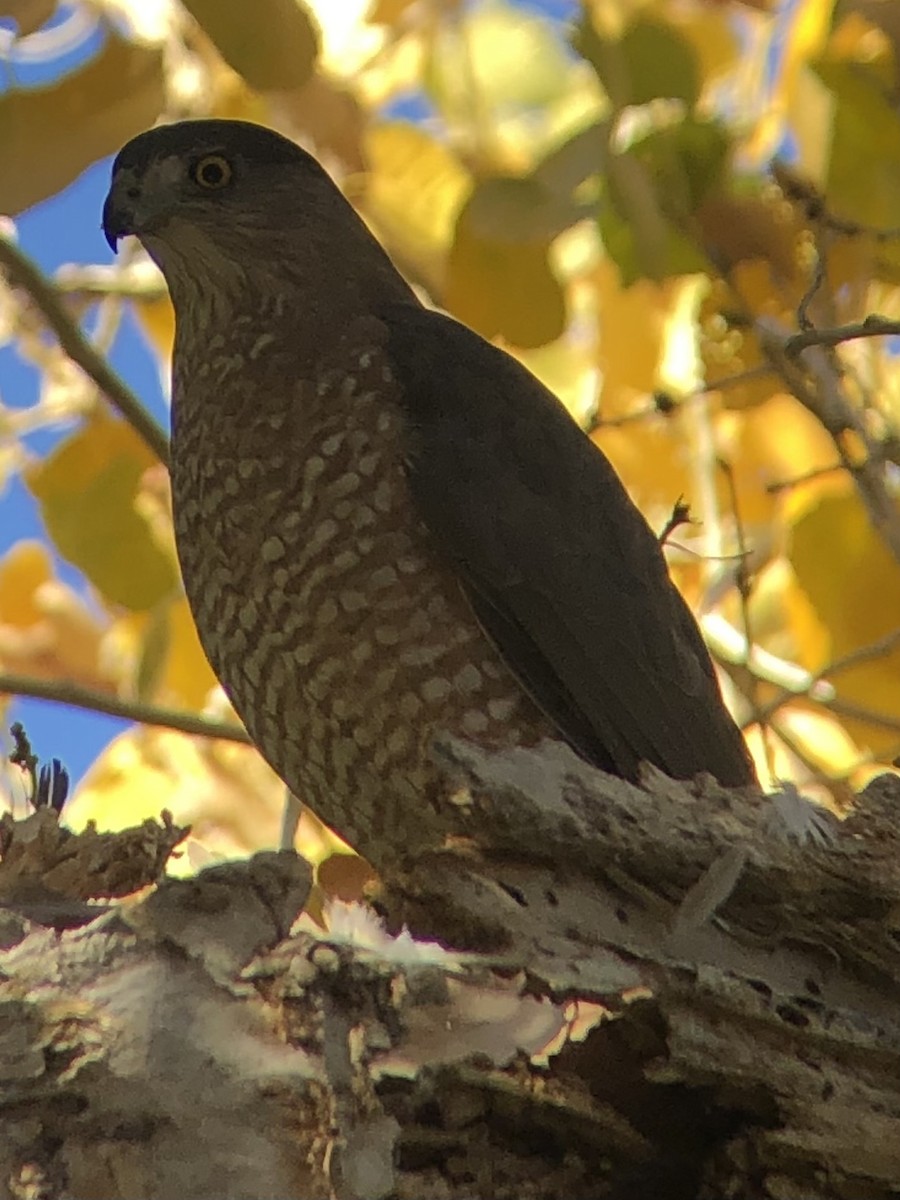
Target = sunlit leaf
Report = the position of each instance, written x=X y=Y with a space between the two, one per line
x=866 y=129
x=659 y=62
x=388 y=12
x=188 y=678
x=271 y=43
x=87 y=489
x=46 y=630
x=499 y=277
x=224 y=791
x=712 y=34
x=49 y=135
x=157 y=318
x=28 y=15
x=494 y=56
x=413 y=194
x=23 y=569
x=775 y=442
x=858 y=602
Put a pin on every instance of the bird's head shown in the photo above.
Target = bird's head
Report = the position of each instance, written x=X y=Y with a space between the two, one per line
x=218 y=179
x=225 y=201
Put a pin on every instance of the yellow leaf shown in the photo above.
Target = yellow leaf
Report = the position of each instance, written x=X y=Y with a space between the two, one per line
x=824 y=741
x=49 y=135
x=774 y=442
x=157 y=318
x=188 y=677
x=388 y=12
x=46 y=630
x=494 y=56
x=272 y=44
x=349 y=41
x=633 y=324
x=22 y=571
x=499 y=278
x=782 y=619
x=853 y=582
x=225 y=791
x=652 y=456
x=28 y=15
x=740 y=228
x=712 y=35
x=345 y=877
x=414 y=190
x=87 y=489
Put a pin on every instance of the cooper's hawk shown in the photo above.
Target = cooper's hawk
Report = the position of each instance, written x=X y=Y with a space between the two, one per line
x=388 y=528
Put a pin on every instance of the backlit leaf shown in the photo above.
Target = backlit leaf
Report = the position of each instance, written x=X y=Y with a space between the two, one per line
x=49 y=135
x=87 y=490
x=659 y=62
x=414 y=190
x=271 y=43
x=499 y=277
x=857 y=603
x=493 y=57
x=22 y=570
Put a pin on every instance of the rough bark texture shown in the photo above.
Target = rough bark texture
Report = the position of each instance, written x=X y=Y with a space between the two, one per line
x=737 y=994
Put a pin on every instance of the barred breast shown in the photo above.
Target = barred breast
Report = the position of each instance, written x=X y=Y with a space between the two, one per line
x=343 y=641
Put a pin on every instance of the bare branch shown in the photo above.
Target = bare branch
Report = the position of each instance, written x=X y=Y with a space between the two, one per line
x=871 y=326
x=680 y=515
x=812 y=689
x=23 y=273
x=62 y=691
x=785 y=485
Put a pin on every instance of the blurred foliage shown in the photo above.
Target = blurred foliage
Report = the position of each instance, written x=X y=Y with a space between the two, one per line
x=643 y=203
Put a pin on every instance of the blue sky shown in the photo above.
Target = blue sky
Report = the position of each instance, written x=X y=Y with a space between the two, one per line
x=66 y=228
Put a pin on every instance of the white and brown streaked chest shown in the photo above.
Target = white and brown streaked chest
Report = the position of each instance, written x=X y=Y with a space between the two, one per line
x=342 y=639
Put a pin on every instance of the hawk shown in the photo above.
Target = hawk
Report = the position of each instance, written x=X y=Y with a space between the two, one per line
x=388 y=529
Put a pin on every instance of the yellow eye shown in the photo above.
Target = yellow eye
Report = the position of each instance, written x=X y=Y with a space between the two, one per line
x=212 y=172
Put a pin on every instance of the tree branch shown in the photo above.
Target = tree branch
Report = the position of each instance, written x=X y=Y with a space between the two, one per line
x=23 y=273
x=61 y=691
x=868 y=653
x=871 y=326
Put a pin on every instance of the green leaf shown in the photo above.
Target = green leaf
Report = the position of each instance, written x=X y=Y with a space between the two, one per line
x=651 y=61
x=863 y=178
x=660 y=63
x=653 y=192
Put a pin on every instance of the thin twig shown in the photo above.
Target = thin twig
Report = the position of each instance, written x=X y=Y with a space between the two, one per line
x=858 y=712
x=817 y=385
x=680 y=515
x=784 y=485
x=804 y=320
x=23 y=273
x=868 y=653
x=665 y=405
x=130 y=282
x=871 y=326
x=62 y=691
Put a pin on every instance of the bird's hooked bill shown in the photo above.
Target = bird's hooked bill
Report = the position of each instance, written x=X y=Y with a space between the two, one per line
x=115 y=222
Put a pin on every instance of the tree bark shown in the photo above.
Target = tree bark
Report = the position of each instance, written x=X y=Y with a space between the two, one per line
x=654 y=992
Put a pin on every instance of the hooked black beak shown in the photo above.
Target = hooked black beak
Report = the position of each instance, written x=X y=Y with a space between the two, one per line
x=116 y=219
